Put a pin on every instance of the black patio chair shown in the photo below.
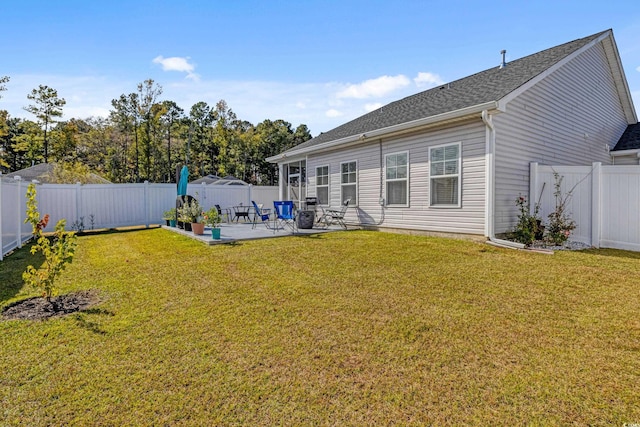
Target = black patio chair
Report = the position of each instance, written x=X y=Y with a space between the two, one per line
x=226 y=212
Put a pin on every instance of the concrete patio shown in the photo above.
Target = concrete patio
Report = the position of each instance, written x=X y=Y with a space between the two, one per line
x=238 y=231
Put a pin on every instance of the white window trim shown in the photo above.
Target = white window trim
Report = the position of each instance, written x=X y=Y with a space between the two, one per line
x=386 y=194
x=328 y=182
x=458 y=175
x=353 y=202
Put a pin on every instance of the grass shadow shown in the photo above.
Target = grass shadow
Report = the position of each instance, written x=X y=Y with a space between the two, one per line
x=107 y=231
x=83 y=322
x=311 y=235
x=11 y=269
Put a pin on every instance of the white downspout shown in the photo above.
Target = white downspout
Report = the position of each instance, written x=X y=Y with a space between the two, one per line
x=490 y=186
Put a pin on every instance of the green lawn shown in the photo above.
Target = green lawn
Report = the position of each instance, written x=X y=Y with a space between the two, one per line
x=351 y=328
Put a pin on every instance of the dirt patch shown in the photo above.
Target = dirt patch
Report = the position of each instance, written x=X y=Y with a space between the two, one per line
x=39 y=308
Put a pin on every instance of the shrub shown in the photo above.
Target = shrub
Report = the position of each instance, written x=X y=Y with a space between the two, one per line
x=529 y=226
x=211 y=217
x=560 y=224
x=169 y=214
x=190 y=211
x=58 y=251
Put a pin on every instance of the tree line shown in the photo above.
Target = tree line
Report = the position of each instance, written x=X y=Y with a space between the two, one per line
x=145 y=138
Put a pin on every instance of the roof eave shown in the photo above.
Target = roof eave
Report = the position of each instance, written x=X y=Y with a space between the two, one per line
x=387 y=131
x=617 y=70
x=618 y=153
x=552 y=69
x=620 y=80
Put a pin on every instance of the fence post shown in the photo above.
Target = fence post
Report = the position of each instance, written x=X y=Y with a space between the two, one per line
x=146 y=203
x=19 y=196
x=596 y=204
x=533 y=186
x=250 y=191
x=78 y=203
x=203 y=197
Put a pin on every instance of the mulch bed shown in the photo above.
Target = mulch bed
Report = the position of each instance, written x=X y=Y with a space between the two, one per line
x=38 y=308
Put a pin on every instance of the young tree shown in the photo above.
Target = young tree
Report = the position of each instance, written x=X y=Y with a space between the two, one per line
x=47 y=106
x=57 y=252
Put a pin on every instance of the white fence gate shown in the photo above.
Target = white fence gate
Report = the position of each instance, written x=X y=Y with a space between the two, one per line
x=604 y=201
x=110 y=205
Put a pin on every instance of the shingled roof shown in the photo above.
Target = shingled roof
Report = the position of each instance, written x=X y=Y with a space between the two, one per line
x=486 y=86
x=44 y=173
x=630 y=139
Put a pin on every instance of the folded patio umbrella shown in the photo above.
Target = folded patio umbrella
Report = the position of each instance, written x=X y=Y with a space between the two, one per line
x=184 y=180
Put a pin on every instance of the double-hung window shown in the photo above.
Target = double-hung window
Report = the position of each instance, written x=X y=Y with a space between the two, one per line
x=444 y=169
x=322 y=185
x=349 y=182
x=397 y=179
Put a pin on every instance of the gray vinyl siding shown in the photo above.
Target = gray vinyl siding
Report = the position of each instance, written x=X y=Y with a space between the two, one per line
x=468 y=219
x=568 y=118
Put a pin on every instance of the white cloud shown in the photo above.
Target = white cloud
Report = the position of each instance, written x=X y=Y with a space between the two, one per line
x=638 y=69
x=373 y=106
x=177 y=63
x=428 y=80
x=374 y=88
x=314 y=104
x=85 y=96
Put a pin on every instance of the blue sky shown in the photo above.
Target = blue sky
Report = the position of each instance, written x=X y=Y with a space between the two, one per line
x=321 y=63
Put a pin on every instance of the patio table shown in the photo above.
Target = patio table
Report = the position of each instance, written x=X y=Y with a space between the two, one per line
x=241 y=211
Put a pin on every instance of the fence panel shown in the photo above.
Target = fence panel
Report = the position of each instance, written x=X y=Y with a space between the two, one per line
x=160 y=198
x=265 y=195
x=620 y=207
x=223 y=195
x=59 y=201
x=13 y=230
x=125 y=207
x=232 y=195
x=110 y=205
x=604 y=202
x=576 y=180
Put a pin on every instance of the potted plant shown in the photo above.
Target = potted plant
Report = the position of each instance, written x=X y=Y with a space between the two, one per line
x=170 y=217
x=189 y=214
x=195 y=215
x=212 y=218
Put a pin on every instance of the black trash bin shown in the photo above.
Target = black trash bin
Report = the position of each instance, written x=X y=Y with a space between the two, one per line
x=305 y=219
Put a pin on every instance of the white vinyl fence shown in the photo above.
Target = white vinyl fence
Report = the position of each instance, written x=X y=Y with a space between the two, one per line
x=604 y=201
x=110 y=205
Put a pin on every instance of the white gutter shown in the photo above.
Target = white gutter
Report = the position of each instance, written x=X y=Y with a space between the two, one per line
x=490 y=179
x=388 y=131
x=624 y=152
